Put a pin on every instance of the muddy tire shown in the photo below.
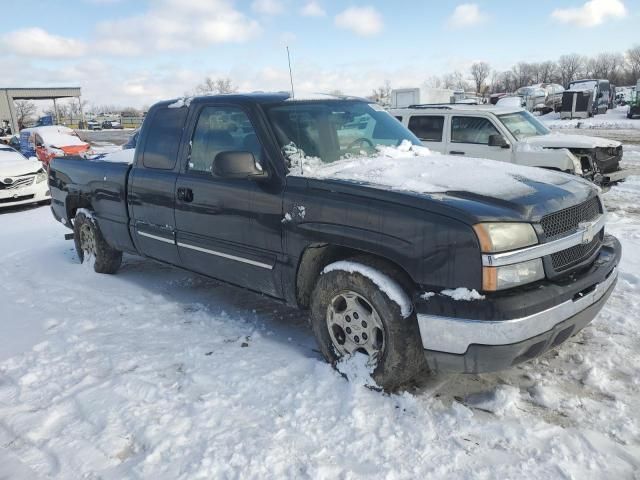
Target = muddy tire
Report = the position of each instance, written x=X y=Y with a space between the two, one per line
x=350 y=313
x=90 y=243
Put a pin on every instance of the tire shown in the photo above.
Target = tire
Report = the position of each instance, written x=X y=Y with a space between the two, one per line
x=89 y=241
x=339 y=295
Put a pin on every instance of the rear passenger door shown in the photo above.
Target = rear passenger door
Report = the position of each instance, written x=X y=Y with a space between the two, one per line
x=430 y=130
x=470 y=138
x=227 y=228
x=152 y=183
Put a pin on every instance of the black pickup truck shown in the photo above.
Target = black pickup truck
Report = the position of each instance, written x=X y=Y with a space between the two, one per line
x=293 y=198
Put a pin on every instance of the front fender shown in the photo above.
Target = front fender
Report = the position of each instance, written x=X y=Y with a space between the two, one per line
x=557 y=159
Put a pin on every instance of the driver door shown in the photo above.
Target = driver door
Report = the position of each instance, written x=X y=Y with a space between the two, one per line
x=227 y=228
x=470 y=138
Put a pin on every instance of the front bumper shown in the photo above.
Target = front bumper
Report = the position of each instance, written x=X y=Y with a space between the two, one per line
x=38 y=192
x=506 y=329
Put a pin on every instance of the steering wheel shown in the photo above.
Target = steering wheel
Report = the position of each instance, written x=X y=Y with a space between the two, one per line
x=359 y=142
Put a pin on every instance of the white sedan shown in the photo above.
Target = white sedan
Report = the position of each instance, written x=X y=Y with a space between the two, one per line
x=22 y=180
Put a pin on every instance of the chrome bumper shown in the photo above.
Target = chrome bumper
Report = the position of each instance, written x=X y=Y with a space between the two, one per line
x=454 y=335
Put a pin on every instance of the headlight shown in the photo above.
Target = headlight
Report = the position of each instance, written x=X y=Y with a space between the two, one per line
x=41 y=177
x=502 y=237
x=577 y=167
x=509 y=276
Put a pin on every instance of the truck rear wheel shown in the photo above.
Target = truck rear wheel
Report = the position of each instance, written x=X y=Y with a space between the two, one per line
x=351 y=314
x=91 y=244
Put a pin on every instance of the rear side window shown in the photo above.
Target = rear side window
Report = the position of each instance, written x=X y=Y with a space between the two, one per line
x=163 y=140
x=472 y=130
x=427 y=127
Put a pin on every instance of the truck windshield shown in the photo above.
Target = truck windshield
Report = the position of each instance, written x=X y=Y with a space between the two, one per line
x=523 y=125
x=333 y=130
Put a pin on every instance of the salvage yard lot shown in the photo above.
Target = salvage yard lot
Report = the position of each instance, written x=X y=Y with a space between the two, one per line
x=158 y=373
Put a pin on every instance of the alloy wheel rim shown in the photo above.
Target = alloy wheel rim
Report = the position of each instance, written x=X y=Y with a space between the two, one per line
x=355 y=326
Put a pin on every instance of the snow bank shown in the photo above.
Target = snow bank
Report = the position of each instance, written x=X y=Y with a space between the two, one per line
x=389 y=286
x=159 y=373
x=416 y=169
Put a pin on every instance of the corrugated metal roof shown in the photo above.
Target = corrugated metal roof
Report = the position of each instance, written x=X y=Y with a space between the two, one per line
x=41 y=92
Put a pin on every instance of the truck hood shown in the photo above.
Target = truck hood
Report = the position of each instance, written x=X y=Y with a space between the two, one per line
x=15 y=168
x=560 y=140
x=479 y=189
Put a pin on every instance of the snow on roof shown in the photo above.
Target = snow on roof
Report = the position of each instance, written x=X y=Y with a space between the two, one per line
x=413 y=168
x=56 y=135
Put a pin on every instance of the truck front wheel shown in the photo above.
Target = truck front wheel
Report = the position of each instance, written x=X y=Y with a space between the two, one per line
x=90 y=244
x=351 y=314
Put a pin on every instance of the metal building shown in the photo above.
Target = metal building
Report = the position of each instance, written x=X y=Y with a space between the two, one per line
x=8 y=95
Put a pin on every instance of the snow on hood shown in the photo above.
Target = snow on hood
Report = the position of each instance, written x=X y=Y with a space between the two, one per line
x=417 y=169
x=560 y=140
x=12 y=164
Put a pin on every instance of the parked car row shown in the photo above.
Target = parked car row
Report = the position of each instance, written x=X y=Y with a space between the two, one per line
x=421 y=262
x=106 y=125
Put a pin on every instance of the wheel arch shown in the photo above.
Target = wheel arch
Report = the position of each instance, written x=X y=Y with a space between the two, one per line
x=317 y=256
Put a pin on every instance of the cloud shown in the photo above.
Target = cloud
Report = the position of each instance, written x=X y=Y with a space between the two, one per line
x=467 y=15
x=36 y=42
x=364 y=21
x=312 y=9
x=268 y=7
x=176 y=25
x=591 y=13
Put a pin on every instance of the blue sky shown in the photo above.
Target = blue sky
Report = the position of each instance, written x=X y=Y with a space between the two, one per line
x=135 y=52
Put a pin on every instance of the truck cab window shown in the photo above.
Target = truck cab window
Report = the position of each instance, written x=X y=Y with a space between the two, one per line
x=427 y=127
x=472 y=130
x=162 y=143
x=221 y=129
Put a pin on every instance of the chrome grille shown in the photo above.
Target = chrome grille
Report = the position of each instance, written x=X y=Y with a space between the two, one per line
x=19 y=182
x=566 y=221
x=572 y=256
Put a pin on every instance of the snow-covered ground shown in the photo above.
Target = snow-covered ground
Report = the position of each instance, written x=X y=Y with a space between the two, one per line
x=615 y=119
x=158 y=373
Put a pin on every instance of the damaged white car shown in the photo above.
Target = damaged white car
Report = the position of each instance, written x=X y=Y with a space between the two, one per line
x=510 y=135
x=22 y=180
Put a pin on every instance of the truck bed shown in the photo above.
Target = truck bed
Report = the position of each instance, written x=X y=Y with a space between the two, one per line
x=77 y=182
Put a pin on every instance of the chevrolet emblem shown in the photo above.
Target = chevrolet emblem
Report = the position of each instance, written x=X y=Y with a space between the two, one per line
x=588 y=231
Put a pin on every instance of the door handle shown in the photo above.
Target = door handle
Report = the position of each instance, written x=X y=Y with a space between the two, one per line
x=185 y=194
x=456 y=152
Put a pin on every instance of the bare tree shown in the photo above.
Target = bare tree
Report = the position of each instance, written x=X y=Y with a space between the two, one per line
x=480 y=72
x=569 y=66
x=547 y=72
x=24 y=111
x=382 y=94
x=433 y=81
x=522 y=74
x=632 y=61
x=216 y=85
x=455 y=80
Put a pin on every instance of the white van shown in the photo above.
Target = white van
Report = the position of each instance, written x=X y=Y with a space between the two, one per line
x=509 y=134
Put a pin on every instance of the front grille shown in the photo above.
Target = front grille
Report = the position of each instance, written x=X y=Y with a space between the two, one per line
x=566 y=221
x=18 y=183
x=572 y=256
x=19 y=198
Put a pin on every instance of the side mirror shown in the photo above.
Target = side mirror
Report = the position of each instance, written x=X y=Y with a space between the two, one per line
x=237 y=165
x=33 y=158
x=496 y=140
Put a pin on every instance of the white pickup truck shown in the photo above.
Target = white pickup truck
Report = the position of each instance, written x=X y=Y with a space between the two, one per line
x=509 y=134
